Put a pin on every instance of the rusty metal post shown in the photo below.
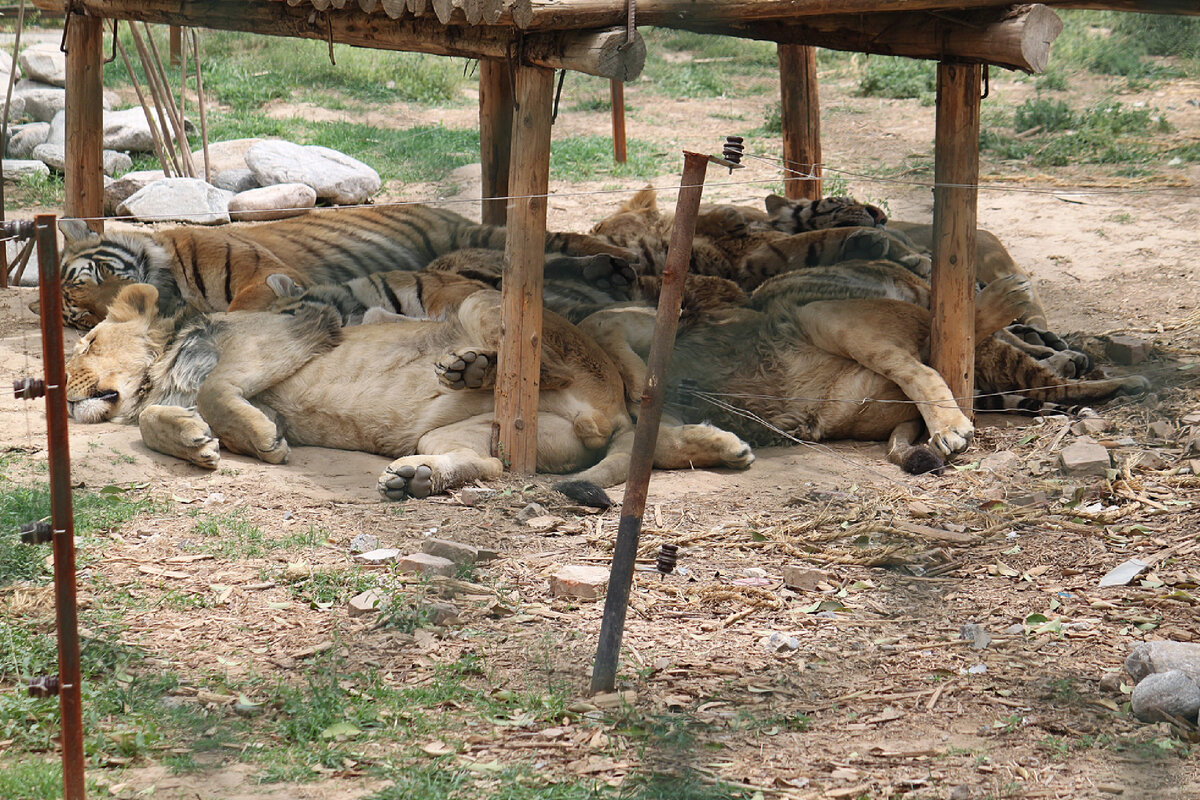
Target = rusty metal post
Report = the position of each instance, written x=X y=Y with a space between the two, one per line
x=70 y=696
x=620 y=581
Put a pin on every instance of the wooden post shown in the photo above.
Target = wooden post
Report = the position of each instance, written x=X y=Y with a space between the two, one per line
x=956 y=173
x=616 y=93
x=524 y=259
x=176 y=40
x=800 y=111
x=84 y=178
x=495 y=137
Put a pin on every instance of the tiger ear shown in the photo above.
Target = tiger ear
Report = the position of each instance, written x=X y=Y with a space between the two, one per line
x=76 y=230
x=283 y=286
x=877 y=214
x=774 y=202
x=136 y=301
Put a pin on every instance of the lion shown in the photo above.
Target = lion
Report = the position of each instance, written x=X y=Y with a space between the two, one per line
x=817 y=369
x=258 y=383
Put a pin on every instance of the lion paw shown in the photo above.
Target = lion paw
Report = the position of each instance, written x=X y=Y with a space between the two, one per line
x=275 y=453
x=180 y=432
x=1068 y=363
x=404 y=479
x=868 y=243
x=467 y=369
x=919 y=265
x=953 y=439
x=1008 y=296
x=609 y=273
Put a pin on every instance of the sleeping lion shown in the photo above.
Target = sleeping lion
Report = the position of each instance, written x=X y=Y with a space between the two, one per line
x=259 y=383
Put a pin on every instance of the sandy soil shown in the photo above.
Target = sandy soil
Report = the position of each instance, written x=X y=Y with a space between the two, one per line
x=899 y=705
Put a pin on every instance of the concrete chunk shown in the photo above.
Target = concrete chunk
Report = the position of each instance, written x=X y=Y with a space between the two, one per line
x=1084 y=458
x=581 y=582
x=367 y=602
x=425 y=564
x=457 y=552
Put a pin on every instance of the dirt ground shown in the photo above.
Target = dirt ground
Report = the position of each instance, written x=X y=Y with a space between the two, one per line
x=897 y=703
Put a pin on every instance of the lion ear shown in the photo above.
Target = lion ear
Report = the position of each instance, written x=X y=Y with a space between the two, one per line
x=644 y=200
x=136 y=301
x=76 y=230
x=283 y=286
x=775 y=202
x=877 y=213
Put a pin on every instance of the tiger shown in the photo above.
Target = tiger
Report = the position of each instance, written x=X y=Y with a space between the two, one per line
x=220 y=269
x=734 y=244
x=992 y=260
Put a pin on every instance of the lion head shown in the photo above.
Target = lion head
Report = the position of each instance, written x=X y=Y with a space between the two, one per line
x=108 y=376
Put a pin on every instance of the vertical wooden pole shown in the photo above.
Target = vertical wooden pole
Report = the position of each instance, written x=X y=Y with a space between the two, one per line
x=616 y=93
x=956 y=173
x=495 y=136
x=84 y=179
x=800 y=111
x=524 y=259
x=641 y=458
x=176 y=44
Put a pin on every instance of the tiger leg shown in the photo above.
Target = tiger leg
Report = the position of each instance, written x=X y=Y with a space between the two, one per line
x=179 y=432
x=885 y=337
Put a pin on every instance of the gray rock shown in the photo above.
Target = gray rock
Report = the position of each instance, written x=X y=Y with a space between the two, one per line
x=6 y=67
x=1163 y=656
x=1162 y=430
x=16 y=169
x=1004 y=462
x=58 y=129
x=457 y=552
x=363 y=543
x=235 y=180
x=976 y=635
x=961 y=792
x=367 y=602
x=1110 y=682
x=1089 y=426
x=1084 y=458
x=45 y=62
x=42 y=100
x=119 y=190
x=128 y=130
x=473 y=495
x=27 y=137
x=441 y=613
x=53 y=156
x=425 y=564
x=226 y=155
x=530 y=511
x=335 y=176
x=1164 y=695
x=15 y=109
x=273 y=202
x=178 y=200
x=115 y=162
x=1128 y=350
x=779 y=643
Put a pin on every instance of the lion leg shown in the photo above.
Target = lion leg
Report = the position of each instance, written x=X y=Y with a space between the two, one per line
x=999 y=303
x=447 y=457
x=241 y=426
x=179 y=432
x=677 y=447
x=884 y=336
x=621 y=333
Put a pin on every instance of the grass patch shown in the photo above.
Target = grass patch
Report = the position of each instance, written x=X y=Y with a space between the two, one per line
x=1049 y=133
x=898 y=78
x=46 y=191
x=582 y=158
x=31 y=779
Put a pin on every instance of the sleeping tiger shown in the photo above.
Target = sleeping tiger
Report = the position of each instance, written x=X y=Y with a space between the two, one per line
x=991 y=258
x=734 y=243
x=218 y=269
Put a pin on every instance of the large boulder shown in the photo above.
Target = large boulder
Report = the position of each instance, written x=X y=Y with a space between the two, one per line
x=45 y=62
x=227 y=155
x=334 y=176
x=16 y=169
x=27 y=137
x=42 y=100
x=273 y=202
x=125 y=186
x=178 y=200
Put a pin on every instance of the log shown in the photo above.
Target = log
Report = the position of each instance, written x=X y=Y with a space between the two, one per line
x=84 y=121
x=600 y=53
x=1016 y=38
x=800 y=112
x=524 y=259
x=955 y=175
x=495 y=138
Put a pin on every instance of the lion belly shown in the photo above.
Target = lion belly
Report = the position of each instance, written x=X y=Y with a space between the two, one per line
x=376 y=392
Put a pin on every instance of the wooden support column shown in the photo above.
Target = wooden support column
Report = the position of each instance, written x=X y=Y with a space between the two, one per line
x=800 y=110
x=616 y=93
x=495 y=137
x=956 y=173
x=85 y=122
x=524 y=259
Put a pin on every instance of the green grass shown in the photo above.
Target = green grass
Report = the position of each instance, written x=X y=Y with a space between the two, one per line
x=898 y=78
x=35 y=190
x=581 y=158
x=1107 y=133
x=31 y=779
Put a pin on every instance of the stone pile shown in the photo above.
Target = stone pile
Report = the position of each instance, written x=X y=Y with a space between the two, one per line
x=249 y=179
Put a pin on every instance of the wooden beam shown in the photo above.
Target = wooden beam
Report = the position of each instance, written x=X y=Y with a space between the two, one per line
x=1015 y=38
x=495 y=137
x=800 y=112
x=524 y=259
x=603 y=53
x=84 y=173
x=616 y=95
x=956 y=174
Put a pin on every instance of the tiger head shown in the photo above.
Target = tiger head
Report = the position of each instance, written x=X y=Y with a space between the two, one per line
x=799 y=216
x=95 y=269
x=108 y=375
